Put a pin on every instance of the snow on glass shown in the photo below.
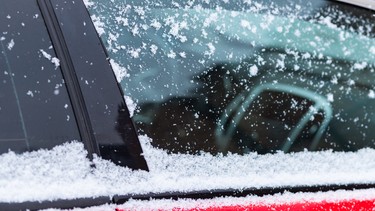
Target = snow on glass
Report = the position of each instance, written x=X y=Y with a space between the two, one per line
x=166 y=50
x=149 y=45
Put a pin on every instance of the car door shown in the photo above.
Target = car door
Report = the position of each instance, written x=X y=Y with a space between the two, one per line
x=247 y=97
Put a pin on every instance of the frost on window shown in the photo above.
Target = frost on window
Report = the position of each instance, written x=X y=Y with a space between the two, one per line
x=245 y=76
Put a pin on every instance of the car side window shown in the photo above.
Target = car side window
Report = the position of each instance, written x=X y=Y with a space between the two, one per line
x=246 y=77
x=35 y=109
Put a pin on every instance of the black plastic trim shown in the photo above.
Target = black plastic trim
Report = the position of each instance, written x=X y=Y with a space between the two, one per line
x=209 y=194
x=70 y=77
x=61 y=204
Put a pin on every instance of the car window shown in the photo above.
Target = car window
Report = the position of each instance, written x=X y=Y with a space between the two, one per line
x=241 y=76
x=35 y=109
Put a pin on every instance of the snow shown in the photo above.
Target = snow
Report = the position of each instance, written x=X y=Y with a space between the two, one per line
x=371 y=94
x=284 y=198
x=253 y=70
x=372 y=50
x=132 y=106
x=30 y=93
x=99 y=25
x=11 y=44
x=330 y=97
x=53 y=60
x=65 y=173
x=120 y=72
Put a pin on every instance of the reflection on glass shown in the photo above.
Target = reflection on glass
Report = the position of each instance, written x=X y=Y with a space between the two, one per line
x=192 y=67
x=35 y=109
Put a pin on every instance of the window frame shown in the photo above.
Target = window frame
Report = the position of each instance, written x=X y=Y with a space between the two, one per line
x=74 y=69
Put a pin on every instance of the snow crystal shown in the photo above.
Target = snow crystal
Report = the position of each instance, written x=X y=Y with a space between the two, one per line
x=11 y=44
x=213 y=17
x=171 y=54
x=45 y=54
x=30 y=93
x=351 y=82
x=135 y=30
x=245 y=24
x=334 y=80
x=153 y=48
x=182 y=54
x=122 y=20
x=211 y=49
x=328 y=22
x=360 y=66
x=330 y=97
x=174 y=29
x=134 y=52
x=371 y=94
x=253 y=70
x=156 y=24
x=54 y=60
x=297 y=33
x=372 y=50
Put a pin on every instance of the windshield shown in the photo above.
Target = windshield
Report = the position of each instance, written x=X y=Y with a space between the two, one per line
x=245 y=76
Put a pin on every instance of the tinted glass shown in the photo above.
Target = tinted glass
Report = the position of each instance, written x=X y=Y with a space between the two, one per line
x=35 y=110
x=242 y=76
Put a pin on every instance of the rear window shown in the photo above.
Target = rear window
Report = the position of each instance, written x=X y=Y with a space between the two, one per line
x=35 y=109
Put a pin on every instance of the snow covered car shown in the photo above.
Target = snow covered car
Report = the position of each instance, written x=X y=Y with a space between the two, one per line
x=187 y=104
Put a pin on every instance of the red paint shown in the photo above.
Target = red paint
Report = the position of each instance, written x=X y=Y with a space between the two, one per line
x=354 y=205
x=341 y=205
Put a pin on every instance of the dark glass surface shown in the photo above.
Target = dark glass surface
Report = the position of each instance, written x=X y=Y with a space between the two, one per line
x=35 y=109
x=112 y=127
x=192 y=64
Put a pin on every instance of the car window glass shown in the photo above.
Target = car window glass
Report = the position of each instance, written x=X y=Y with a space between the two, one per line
x=35 y=110
x=241 y=76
